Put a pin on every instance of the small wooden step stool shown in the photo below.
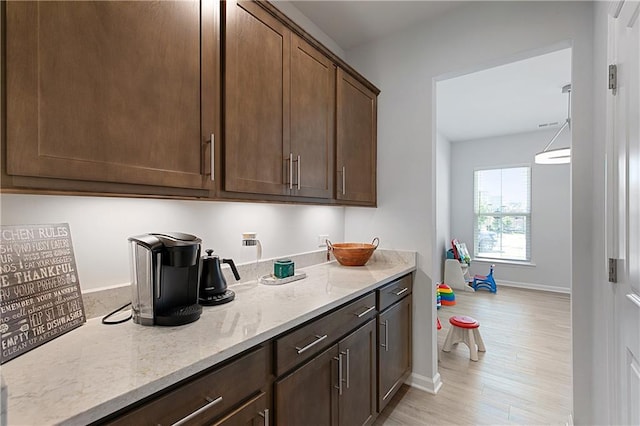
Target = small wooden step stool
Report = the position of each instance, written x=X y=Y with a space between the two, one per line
x=466 y=330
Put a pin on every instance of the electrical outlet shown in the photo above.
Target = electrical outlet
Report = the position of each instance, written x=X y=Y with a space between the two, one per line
x=322 y=240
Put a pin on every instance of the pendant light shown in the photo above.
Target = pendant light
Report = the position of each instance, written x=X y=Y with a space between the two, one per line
x=560 y=155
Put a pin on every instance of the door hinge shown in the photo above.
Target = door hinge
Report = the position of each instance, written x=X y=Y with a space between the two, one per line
x=613 y=270
x=613 y=78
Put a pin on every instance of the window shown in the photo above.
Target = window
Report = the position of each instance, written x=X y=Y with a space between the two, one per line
x=502 y=205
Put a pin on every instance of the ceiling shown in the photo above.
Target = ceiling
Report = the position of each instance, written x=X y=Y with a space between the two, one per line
x=512 y=98
x=518 y=97
x=353 y=23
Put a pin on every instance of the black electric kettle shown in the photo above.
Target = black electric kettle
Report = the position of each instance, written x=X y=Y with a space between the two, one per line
x=213 y=285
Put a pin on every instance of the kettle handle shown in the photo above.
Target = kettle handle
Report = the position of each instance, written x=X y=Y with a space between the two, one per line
x=233 y=268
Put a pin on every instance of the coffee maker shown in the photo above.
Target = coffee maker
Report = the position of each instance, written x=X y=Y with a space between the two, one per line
x=165 y=270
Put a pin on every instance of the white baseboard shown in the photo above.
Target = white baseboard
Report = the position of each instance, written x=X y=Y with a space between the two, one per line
x=431 y=385
x=530 y=286
x=570 y=421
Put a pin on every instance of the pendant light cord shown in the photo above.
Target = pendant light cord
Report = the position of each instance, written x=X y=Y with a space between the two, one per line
x=567 y=122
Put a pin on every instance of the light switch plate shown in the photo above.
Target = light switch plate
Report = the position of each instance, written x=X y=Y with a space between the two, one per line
x=322 y=240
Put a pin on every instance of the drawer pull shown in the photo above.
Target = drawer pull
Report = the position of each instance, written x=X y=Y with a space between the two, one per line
x=312 y=344
x=403 y=291
x=366 y=311
x=265 y=416
x=211 y=403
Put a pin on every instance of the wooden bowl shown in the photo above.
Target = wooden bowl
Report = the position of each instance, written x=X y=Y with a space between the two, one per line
x=353 y=254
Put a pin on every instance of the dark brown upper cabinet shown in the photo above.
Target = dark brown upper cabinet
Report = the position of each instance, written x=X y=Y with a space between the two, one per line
x=313 y=88
x=256 y=100
x=279 y=108
x=228 y=100
x=111 y=93
x=356 y=134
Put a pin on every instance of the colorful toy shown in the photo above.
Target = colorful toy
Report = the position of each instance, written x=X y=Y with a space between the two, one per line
x=447 y=296
x=485 y=281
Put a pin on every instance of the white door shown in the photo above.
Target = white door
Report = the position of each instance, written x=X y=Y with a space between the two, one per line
x=624 y=176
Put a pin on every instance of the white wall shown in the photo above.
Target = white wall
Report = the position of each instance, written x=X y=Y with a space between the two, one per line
x=445 y=193
x=100 y=227
x=550 y=205
x=404 y=66
x=598 y=292
x=305 y=23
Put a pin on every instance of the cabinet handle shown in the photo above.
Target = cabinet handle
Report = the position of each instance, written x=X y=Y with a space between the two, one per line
x=298 y=173
x=211 y=403
x=291 y=170
x=365 y=312
x=340 y=379
x=312 y=344
x=348 y=370
x=158 y=275
x=344 y=180
x=213 y=157
x=404 y=290
x=385 y=345
x=265 y=415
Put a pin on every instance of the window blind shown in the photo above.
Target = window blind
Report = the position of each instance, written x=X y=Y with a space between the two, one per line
x=502 y=207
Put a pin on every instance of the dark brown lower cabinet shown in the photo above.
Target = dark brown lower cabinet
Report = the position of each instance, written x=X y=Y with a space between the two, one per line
x=309 y=395
x=337 y=387
x=340 y=368
x=357 y=404
x=394 y=349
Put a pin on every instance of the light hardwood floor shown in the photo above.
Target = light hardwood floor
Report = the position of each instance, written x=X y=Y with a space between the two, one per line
x=524 y=377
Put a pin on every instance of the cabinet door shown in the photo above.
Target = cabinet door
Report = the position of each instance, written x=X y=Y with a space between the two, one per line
x=358 y=400
x=309 y=395
x=313 y=79
x=256 y=100
x=254 y=412
x=107 y=91
x=356 y=129
x=394 y=349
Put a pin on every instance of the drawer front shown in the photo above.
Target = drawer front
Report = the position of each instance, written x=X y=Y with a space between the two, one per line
x=253 y=412
x=394 y=291
x=206 y=397
x=305 y=342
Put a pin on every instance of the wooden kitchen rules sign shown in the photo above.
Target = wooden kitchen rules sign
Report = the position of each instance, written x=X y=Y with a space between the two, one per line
x=40 y=292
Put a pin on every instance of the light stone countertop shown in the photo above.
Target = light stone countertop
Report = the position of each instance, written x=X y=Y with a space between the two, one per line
x=96 y=369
